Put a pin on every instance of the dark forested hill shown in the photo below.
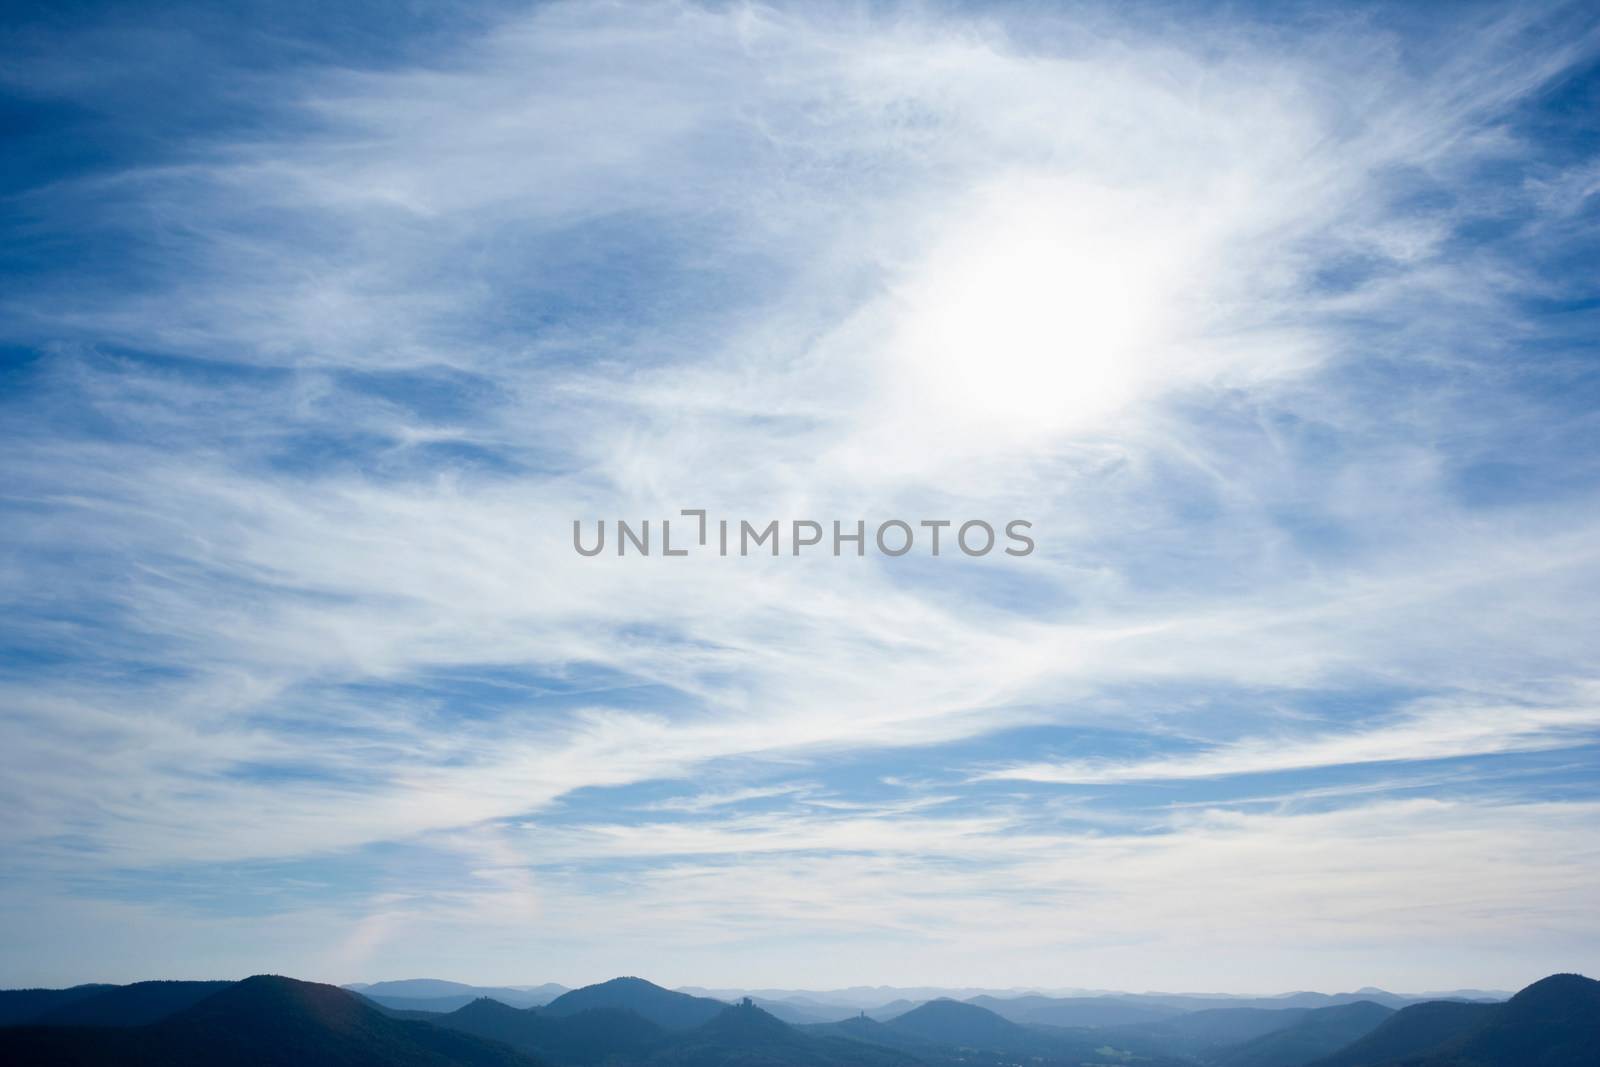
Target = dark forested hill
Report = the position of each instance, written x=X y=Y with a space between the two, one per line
x=665 y=1008
x=1316 y=1033
x=587 y=1037
x=26 y=1005
x=1410 y=1032
x=951 y=1022
x=130 y=1005
x=264 y=1021
x=953 y=1032
x=736 y=1035
x=746 y=1036
x=1553 y=1023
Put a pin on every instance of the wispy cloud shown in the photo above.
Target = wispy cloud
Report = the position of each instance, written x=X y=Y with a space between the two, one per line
x=1263 y=321
x=1440 y=730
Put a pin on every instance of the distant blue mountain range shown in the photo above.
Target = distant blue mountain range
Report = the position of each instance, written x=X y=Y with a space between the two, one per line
x=630 y=1022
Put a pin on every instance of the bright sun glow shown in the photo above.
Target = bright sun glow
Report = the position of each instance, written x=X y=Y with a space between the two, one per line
x=1044 y=310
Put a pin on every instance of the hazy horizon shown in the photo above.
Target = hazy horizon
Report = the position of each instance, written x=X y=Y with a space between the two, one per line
x=851 y=994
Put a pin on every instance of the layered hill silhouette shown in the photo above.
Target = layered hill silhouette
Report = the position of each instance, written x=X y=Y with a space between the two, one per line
x=736 y=1034
x=1200 y=1034
x=1552 y=1023
x=665 y=1008
x=949 y=1032
x=433 y=994
x=1318 y=1032
x=953 y=1022
x=25 y=1005
x=801 y=1013
x=130 y=1005
x=744 y=1035
x=1410 y=1032
x=1075 y=1011
x=270 y=1021
x=588 y=1037
x=866 y=1029
x=265 y=1021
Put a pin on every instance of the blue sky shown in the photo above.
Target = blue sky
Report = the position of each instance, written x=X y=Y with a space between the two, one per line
x=323 y=322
